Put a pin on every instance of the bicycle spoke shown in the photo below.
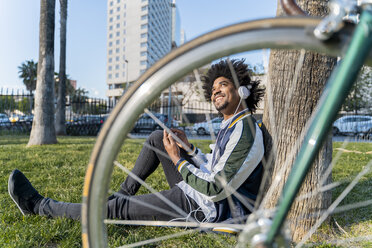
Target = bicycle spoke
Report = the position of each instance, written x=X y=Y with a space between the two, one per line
x=147 y=205
x=333 y=163
x=156 y=193
x=337 y=210
x=335 y=203
x=155 y=240
x=349 y=241
x=207 y=116
x=180 y=224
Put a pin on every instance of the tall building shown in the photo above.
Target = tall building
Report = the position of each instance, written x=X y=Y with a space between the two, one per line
x=139 y=32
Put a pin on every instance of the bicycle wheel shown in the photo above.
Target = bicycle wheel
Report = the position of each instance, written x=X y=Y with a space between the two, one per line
x=278 y=33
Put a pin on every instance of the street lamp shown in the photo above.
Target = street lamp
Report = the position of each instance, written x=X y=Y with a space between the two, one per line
x=126 y=74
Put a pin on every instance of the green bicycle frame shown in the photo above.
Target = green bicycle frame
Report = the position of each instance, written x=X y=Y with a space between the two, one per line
x=330 y=103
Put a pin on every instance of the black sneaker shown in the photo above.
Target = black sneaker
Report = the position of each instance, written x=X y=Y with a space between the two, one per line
x=23 y=194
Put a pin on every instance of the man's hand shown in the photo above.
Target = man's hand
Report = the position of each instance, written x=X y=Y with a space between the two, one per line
x=171 y=147
x=182 y=136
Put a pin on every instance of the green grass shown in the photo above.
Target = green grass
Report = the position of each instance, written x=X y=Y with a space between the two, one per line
x=356 y=222
x=57 y=171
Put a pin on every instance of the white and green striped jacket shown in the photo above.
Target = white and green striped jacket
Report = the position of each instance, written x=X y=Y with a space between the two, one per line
x=237 y=153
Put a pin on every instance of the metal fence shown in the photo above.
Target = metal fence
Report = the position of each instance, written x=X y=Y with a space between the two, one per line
x=85 y=116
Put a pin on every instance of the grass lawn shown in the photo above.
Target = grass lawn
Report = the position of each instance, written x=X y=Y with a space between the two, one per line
x=57 y=171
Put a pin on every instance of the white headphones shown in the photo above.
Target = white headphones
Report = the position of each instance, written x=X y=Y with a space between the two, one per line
x=244 y=91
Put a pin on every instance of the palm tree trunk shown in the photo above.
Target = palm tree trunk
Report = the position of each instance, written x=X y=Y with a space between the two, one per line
x=61 y=100
x=284 y=129
x=43 y=131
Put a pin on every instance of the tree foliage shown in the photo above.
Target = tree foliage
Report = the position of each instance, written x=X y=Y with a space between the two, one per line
x=28 y=73
x=360 y=97
x=7 y=104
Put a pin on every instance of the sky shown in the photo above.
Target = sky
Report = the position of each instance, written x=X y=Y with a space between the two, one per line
x=86 y=34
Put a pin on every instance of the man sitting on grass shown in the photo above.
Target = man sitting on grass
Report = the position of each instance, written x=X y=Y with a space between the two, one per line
x=215 y=187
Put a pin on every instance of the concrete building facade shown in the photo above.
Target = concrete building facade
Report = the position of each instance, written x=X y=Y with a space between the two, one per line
x=139 y=32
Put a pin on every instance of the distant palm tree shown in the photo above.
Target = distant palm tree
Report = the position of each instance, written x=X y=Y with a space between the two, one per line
x=28 y=72
x=43 y=131
x=61 y=99
x=81 y=92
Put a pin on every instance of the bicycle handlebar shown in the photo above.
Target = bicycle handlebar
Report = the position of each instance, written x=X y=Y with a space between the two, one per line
x=291 y=8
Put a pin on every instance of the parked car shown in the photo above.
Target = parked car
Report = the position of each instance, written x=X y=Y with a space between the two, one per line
x=28 y=118
x=4 y=118
x=146 y=123
x=92 y=119
x=353 y=124
x=202 y=128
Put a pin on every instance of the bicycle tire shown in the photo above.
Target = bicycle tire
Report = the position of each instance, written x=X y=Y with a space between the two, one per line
x=275 y=33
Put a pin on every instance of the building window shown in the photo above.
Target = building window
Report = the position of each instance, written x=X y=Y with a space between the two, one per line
x=118 y=17
x=109 y=76
x=143 y=26
x=144 y=8
x=118 y=9
x=110 y=36
x=111 y=3
x=118 y=1
x=110 y=20
x=111 y=11
x=142 y=71
x=117 y=67
x=110 y=60
x=117 y=42
x=143 y=53
x=110 y=68
x=124 y=40
x=117 y=50
x=110 y=27
x=110 y=87
x=116 y=75
x=143 y=62
x=117 y=58
x=123 y=74
x=110 y=43
x=117 y=34
x=110 y=51
x=144 y=35
x=123 y=48
x=144 y=17
x=124 y=31
x=125 y=14
x=143 y=44
x=117 y=25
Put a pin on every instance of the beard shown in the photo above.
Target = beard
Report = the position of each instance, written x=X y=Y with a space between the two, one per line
x=222 y=106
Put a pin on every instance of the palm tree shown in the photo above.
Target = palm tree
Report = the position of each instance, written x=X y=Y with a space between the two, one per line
x=81 y=93
x=43 y=131
x=61 y=99
x=28 y=72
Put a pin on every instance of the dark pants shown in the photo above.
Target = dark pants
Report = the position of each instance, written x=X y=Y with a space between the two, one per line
x=129 y=206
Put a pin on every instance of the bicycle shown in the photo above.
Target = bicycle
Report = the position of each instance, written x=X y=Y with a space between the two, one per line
x=324 y=36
